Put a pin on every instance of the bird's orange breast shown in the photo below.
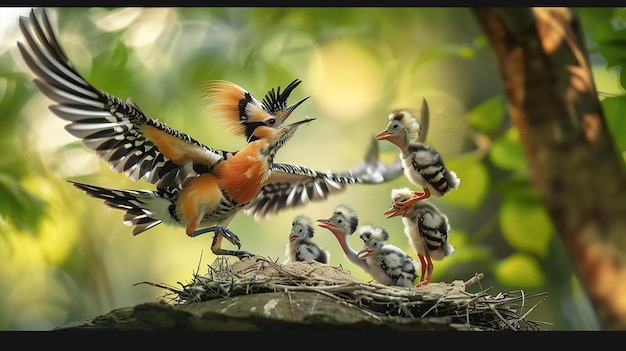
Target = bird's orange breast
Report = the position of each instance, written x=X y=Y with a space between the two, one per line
x=243 y=175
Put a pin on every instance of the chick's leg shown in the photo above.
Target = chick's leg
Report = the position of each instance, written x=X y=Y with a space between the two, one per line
x=423 y=265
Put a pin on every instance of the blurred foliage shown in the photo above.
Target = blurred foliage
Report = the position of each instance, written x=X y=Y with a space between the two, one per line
x=68 y=258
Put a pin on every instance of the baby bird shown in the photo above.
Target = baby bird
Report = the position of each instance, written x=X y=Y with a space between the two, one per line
x=300 y=246
x=388 y=264
x=422 y=164
x=426 y=228
x=342 y=223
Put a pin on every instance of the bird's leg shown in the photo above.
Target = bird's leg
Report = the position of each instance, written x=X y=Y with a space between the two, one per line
x=222 y=232
x=423 y=265
x=429 y=271
x=416 y=196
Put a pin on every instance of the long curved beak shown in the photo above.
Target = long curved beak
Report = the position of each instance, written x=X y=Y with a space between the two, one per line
x=284 y=114
x=325 y=223
x=383 y=135
x=392 y=212
x=295 y=124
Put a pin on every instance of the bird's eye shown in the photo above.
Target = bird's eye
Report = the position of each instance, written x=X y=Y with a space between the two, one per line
x=271 y=121
x=340 y=221
x=300 y=230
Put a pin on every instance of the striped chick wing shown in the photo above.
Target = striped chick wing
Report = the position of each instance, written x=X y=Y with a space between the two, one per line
x=291 y=185
x=119 y=132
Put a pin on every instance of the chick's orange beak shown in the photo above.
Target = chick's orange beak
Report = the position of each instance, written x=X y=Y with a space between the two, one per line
x=364 y=253
x=392 y=212
x=383 y=135
x=324 y=223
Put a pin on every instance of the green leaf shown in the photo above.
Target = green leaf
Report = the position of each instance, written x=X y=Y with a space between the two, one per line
x=488 y=116
x=614 y=108
x=611 y=38
x=521 y=271
x=507 y=153
x=609 y=31
x=525 y=223
x=615 y=55
x=474 y=181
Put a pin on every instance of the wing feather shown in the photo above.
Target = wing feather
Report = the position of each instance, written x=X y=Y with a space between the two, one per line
x=114 y=129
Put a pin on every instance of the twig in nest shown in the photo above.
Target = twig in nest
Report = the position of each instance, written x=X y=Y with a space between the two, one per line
x=475 y=279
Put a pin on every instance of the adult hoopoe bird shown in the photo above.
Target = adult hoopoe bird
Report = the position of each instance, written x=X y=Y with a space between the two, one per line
x=426 y=227
x=197 y=187
x=422 y=164
x=389 y=265
x=300 y=246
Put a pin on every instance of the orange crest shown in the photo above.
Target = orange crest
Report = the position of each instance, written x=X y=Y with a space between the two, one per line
x=233 y=104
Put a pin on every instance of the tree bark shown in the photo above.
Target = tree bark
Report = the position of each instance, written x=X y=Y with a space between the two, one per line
x=572 y=161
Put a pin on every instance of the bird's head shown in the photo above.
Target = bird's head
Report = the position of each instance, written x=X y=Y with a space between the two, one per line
x=301 y=227
x=369 y=233
x=344 y=221
x=370 y=248
x=374 y=238
x=273 y=138
x=401 y=128
x=275 y=102
x=244 y=113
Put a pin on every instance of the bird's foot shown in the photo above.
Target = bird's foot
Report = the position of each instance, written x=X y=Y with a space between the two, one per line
x=223 y=232
x=419 y=195
x=240 y=254
x=422 y=283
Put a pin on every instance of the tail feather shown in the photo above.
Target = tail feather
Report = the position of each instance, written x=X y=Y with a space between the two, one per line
x=132 y=201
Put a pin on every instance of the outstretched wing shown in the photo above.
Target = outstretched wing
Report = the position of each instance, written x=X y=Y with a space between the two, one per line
x=119 y=132
x=291 y=185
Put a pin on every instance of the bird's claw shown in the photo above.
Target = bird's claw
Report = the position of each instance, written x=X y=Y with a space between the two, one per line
x=228 y=235
x=244 y=254
x=422 y=283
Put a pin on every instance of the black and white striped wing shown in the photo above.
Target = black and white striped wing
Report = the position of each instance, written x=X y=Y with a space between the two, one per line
x=118 y=132
x=292 y=186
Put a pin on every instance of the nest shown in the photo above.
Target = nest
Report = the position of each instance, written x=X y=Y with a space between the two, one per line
x=382 y=304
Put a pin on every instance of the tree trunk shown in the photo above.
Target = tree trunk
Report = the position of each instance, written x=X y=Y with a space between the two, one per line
x=572 y=161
